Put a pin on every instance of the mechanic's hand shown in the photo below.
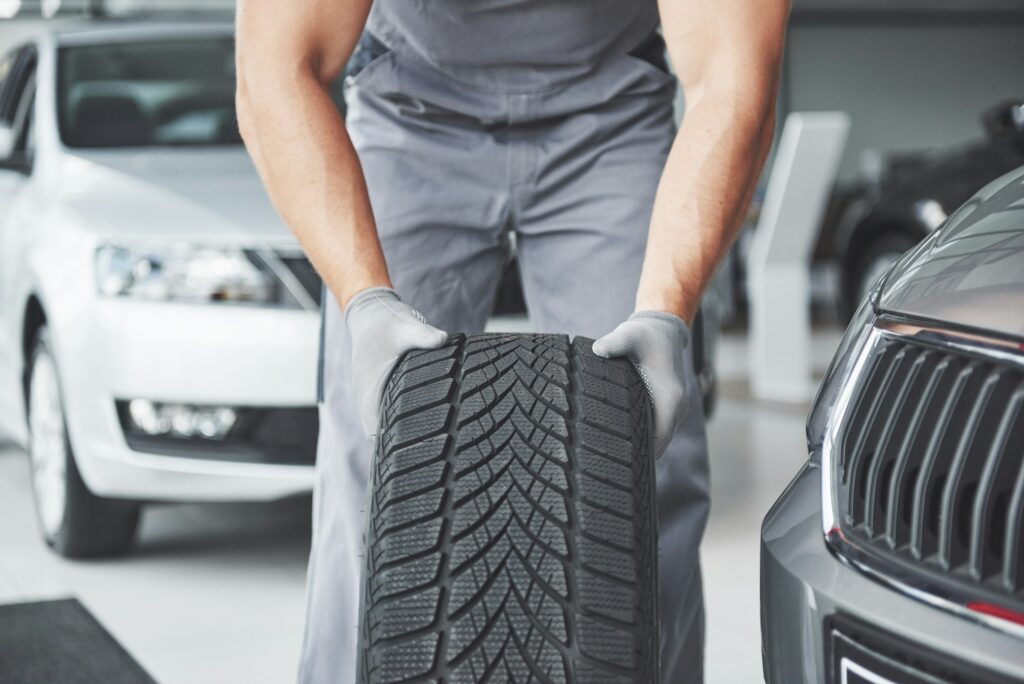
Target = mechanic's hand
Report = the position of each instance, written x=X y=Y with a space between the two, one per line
x=382 y=328
x=655 y=342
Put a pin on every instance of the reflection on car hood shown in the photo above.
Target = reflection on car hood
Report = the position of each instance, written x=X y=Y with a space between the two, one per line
x=970 y=272
x=211 y=195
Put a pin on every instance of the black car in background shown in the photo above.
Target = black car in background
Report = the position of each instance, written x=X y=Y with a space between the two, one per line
x=910 y=195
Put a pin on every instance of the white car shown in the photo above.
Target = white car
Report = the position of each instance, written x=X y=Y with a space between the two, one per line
x=158 y=322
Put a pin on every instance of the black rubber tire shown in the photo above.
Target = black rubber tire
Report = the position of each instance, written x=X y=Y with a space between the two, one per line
x=92 y=526
x=512 y=530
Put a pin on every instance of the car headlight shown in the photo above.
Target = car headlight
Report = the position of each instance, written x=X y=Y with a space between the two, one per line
x=189 y=273
x=838 y=372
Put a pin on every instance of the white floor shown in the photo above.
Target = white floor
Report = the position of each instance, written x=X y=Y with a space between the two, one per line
x=215 y=593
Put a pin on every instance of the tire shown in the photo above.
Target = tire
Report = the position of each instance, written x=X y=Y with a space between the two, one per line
x=862 y=270
x=512 y=531
x=74 y=522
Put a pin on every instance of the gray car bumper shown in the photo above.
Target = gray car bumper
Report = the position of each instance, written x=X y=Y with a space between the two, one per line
x=803 y=584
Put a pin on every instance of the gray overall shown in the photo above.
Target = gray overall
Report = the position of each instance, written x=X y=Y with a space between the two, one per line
x=549 y=118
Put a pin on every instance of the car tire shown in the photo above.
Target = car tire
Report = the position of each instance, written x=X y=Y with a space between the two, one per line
x=74 y=522
x=866 y=265
x=512 y=528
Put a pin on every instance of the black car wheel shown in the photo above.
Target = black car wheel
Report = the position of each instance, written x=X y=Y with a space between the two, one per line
x=512 y=531
x=866 y=264
x=74 y=522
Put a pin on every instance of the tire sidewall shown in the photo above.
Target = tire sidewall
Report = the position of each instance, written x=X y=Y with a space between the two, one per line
x=41 y=346
x=892 y=241
x=91 y=526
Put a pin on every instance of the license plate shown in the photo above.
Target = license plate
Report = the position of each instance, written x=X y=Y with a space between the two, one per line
x=854 y=664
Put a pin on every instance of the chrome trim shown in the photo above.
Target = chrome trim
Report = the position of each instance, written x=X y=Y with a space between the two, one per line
x=830 y=520
x=997 y=349
x=853 y=555
x=875 y=565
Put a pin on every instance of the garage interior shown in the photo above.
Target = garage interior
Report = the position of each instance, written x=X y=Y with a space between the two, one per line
x=214 y=592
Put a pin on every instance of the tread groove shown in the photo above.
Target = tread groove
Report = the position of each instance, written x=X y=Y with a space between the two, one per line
x=530 y=460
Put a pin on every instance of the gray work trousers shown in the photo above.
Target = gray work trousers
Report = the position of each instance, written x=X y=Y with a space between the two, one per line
x=451 y=170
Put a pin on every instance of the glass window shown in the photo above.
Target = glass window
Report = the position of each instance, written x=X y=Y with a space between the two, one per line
x=12 y=80
x=6 y=65
x=26 y=122
x=166 y=92
x=158 y=93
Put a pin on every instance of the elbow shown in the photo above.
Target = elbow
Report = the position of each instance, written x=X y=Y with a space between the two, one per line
x=741 y=91
x=254 y=83
x=748 y=109
x=244 y=105
x=767 y=119
x=243 y=112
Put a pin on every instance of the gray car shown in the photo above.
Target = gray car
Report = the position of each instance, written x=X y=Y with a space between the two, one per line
x=897 y=552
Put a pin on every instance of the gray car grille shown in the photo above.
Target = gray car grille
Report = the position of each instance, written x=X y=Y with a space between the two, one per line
x=930 y=458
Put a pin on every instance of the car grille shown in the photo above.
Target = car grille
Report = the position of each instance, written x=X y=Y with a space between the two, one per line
x=931 y=460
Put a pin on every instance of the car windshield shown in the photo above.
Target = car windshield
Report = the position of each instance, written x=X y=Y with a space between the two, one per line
x=160 y=92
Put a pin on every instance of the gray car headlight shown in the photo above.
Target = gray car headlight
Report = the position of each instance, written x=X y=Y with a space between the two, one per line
x=838 y=373
x=188 y=273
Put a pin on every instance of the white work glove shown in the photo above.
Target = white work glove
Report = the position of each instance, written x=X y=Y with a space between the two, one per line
x=655 y=342
x=382 y=329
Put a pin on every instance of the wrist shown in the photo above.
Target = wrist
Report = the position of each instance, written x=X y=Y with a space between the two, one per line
x=674 y=303
x=347 y=292
x=365 y=300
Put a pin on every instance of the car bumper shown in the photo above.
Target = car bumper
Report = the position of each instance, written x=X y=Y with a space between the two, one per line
x=803 y=585
x=208 y=355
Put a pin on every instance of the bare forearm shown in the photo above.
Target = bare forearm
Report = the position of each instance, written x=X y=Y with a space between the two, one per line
x=727 y=55
x=288 y=53
x=703 y=195
x=316 y=183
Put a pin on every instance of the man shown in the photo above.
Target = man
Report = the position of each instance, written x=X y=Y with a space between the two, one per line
x=469 y=120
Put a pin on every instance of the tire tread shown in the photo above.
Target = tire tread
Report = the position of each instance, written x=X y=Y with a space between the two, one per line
x=511 y=531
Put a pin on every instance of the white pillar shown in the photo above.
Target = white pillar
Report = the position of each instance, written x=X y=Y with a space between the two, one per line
x=778 y=265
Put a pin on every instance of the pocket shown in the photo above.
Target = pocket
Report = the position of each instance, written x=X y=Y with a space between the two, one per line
x=368 y=53
x=651 y=52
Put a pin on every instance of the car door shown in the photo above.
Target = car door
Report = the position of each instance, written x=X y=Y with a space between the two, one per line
x=17 y=95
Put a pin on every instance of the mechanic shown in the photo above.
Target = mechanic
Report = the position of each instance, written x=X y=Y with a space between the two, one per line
x=469 y=120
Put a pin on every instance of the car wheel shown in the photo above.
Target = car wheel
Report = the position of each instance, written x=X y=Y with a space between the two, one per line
x=511 y=527
x=868 y=265
x=74 y=522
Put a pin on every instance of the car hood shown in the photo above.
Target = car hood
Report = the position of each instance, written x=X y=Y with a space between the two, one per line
x=212 y=195
x=970 y=272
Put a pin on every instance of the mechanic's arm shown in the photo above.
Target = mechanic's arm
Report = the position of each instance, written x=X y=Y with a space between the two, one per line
x=727 y=55
x=288 y=53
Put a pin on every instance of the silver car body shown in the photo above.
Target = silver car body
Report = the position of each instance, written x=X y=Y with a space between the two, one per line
x=53 y=219
x=962 y=292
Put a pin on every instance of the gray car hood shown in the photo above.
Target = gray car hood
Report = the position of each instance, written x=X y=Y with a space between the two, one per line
x=970 y=273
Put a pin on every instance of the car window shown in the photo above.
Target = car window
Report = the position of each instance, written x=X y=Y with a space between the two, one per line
x=172 y=92
x=167 y=92
x=24 y=121
x=15 y=69
x=6 y=67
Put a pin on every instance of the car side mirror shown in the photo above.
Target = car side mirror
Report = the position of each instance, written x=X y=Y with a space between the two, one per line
x=8 y=139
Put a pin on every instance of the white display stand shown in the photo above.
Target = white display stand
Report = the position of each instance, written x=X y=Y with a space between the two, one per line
x=778 y=265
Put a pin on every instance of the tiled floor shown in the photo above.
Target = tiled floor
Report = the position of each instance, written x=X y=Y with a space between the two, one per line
x=215 y=593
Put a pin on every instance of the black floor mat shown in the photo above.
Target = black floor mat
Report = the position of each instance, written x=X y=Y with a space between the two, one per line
x=60 y=641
